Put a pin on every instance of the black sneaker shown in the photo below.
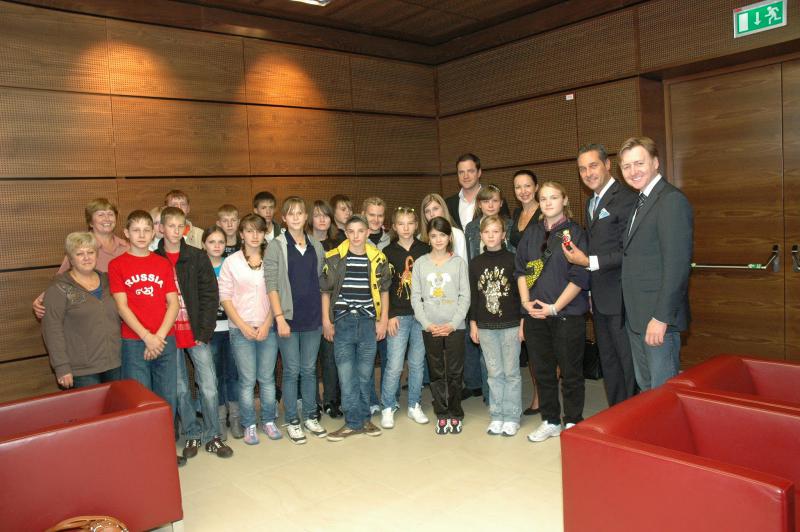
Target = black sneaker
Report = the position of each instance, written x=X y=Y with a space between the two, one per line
x=191 y=447
x=220 y=449
x=181 y=461
x=456 y=426
x=443 y=426
x=333 y=410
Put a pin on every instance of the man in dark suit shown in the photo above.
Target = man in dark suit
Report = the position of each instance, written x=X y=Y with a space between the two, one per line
x=607 y=213
x=462 y=205
x=656 y=261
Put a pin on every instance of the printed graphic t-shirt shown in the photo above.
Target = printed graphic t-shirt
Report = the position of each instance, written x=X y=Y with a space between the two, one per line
x=146 y=281
x=184 y=338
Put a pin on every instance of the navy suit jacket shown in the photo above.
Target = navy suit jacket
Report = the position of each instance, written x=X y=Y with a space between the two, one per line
x=606 y=232
x=656 y=260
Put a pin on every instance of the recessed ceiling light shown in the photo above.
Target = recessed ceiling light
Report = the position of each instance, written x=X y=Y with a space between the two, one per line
x=315 y=2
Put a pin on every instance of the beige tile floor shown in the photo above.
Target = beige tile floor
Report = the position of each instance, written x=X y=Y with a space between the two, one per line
x=406 y=479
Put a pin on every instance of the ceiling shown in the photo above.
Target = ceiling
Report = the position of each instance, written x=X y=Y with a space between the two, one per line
x=428 y=22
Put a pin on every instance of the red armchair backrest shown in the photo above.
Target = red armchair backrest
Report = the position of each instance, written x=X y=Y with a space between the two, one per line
x=775 y=380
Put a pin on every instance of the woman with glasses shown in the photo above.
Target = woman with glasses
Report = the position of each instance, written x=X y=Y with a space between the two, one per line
x=554 y=297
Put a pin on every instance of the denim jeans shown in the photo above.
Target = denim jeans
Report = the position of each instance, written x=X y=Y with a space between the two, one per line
x=299 y=354
x=330 y=377
x=159 y=375
x=409 y=335
x=501 y=352
x=255 y=360
x=225 y=365
x=354 y=347
x=205 y=375
x=475 y=374
x=654 y=365
x=113 y=374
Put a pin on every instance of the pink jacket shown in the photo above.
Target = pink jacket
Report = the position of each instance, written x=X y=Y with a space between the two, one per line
x=245 y=288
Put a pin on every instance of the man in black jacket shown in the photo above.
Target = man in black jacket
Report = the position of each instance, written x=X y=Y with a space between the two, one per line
x=607 y=213
x=199 y=299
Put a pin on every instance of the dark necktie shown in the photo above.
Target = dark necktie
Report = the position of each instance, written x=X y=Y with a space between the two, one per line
x=642 y=199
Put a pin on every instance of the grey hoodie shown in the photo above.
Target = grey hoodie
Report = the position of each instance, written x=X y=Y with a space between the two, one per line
x=440 y=294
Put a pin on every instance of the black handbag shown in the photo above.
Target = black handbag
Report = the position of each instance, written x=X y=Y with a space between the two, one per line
x=591 y=361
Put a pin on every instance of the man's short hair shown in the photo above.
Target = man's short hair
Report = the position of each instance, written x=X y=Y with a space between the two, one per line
x=373 y=200
x=175 y=194
x=356 y=218
x=469 y=157
x=602 y=153
x=263 y=196
x=227 y=209
x=137 y=216
x=647 y=143
x=172 y=212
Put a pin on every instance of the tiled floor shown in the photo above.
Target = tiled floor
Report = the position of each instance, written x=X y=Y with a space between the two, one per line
x=406 y=479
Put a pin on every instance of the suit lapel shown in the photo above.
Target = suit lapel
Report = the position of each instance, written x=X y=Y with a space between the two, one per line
x=604 y=201
x=652 y=199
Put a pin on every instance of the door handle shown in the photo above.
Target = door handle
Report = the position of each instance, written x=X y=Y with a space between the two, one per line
x=774 y=262
x=795 y=259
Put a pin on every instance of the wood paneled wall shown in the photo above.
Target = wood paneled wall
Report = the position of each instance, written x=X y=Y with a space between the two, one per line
x=100 y=107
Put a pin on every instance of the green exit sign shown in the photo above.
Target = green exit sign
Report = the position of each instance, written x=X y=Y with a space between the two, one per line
x=759 y=17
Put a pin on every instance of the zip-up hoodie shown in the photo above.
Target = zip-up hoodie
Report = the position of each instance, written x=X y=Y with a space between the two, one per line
x=440 y=294
x=276 y=270
x=334 y=269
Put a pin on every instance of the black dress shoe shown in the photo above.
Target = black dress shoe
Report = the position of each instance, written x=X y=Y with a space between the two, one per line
x=530 y=412
x=181 y=461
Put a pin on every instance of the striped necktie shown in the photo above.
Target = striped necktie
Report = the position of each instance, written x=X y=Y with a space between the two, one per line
x=592 y=206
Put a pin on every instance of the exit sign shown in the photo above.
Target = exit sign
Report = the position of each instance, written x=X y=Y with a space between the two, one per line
x=759 y=17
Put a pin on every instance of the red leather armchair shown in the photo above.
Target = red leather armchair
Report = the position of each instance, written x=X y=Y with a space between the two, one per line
x=748 y=379
x=673 y=460
x=104 y=450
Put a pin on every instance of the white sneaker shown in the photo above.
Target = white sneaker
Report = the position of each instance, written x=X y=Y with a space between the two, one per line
x=569 y=426
x=387 y=418
x=510 y=428
x=315 y=428
x=296 y=433
x=494 y=428
x=417 y=414
x=545 y=430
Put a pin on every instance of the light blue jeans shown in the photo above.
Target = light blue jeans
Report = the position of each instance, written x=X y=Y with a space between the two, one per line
x=501 y=352
x=354 y=347
x=205 y=374
x=299 y=355
x=409 y=335
x=255 y=361
x=654 y=365
x=158 y=374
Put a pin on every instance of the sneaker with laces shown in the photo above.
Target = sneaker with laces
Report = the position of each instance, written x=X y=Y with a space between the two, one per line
x=250 y=435
x=456 y=425
x=191 y=447
x=314 y=427
x=546 y=430
x=272 y=431
x=344 y=432
x=494 y=428
x=220 y=449
x=417 y=414
x=443 y=426
x=387 y=418
x=296 y=434
x=370 y=429
x=510 y=428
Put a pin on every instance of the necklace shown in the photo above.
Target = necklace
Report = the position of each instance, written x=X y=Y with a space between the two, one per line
x=257 y=266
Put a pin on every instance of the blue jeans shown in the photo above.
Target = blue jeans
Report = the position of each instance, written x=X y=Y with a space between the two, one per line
x=225 y=365
x=299 y=354
x=354 y=348
x=159 y=375
x=501 y=352
x=475 y=375
x=113 y=374
x=205 y=375
x=255 y=361
x=654 y=365
x=409 y=335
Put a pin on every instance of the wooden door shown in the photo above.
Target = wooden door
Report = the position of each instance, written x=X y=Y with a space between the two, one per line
x=791 y=202
x=727 y=156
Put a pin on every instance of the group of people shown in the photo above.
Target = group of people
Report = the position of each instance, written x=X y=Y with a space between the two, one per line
x=460 y=289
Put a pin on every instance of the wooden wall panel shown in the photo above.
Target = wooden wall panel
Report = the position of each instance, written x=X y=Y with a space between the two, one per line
x=21 y=203
x=47 y=49
x=52 y=134
x=26 y=378
x=532 y=131
x=580 y=54
x=20 y=333
x=290 y=75
x=392 y=144
x=678 y=32
x=205 y=196
x=791 y=203
x=300 y=141
x=395 y=191
x=393 y=87
x=165 y=138
x=150 y=60
x=609 y=114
